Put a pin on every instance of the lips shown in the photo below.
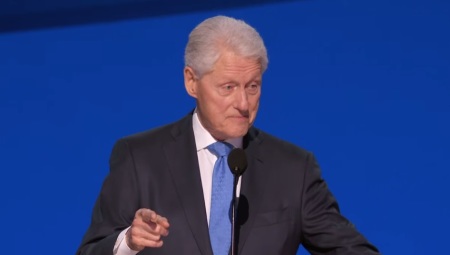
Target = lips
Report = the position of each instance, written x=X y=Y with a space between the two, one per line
x=240 y=117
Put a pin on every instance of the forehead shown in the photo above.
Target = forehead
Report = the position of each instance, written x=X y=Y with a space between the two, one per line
x=230 y=63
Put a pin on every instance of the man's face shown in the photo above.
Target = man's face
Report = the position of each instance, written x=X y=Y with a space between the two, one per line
x=228 y=96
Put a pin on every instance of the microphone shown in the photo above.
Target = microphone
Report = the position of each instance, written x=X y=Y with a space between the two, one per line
x=237 y=161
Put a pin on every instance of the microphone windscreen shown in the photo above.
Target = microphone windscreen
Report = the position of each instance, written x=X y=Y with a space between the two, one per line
x=237 y=161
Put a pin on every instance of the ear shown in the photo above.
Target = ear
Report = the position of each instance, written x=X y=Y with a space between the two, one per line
x=190 y=81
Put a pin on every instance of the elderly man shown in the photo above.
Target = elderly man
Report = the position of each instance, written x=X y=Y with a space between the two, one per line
x=171 y=179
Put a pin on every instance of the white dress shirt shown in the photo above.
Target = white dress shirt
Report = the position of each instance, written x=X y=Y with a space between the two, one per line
x=206 y=161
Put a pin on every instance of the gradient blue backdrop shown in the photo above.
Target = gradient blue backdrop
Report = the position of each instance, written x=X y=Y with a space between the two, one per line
x=362 y=84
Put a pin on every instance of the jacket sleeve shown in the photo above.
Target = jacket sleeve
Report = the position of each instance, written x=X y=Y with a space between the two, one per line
x=116 y=204
x=324 y=229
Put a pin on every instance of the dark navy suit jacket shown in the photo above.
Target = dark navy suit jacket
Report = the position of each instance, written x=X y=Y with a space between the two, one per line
x=283 y=202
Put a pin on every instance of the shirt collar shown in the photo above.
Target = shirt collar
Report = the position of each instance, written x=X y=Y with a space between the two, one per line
x=203 y=138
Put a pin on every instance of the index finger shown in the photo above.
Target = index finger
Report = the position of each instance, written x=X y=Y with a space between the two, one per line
x=162 y=221
x=146 y=215
x=150 y=216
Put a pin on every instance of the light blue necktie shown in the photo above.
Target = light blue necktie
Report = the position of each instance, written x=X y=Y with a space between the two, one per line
x=221 y=195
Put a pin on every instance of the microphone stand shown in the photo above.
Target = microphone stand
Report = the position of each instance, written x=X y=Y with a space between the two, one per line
x=233 y=216
x=237 y=162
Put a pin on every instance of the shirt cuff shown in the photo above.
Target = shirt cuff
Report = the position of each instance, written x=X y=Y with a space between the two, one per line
x=121 y=246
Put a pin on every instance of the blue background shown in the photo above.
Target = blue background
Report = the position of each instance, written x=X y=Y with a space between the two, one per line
x=362 y=84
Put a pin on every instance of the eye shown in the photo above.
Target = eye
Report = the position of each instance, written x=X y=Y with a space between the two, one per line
x=253 y=88
x=227 y=89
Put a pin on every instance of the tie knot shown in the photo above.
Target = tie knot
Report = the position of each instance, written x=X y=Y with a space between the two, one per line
x=220 y=149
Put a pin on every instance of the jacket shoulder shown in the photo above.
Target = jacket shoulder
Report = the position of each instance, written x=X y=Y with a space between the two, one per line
x=281 y=147
x=159 y=135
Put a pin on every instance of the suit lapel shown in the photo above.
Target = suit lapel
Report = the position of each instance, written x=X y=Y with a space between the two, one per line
x=253 y=186
x=183 y=165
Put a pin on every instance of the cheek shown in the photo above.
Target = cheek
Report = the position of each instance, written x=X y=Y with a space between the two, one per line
x=254 y=106
x=253 y=111
x=217 y=113
x=223 y=107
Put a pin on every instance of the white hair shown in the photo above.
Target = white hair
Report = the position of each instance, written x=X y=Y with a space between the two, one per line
x=214 y=35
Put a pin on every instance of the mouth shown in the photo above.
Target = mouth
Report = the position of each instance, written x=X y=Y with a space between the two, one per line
x=242 y=118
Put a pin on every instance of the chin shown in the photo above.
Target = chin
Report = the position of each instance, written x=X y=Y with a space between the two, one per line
x=233 y=132
x=239 y=133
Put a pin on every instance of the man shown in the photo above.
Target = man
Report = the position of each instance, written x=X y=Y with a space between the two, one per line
x=164 y=180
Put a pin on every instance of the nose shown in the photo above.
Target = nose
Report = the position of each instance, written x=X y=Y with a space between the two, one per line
x=241 y=100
